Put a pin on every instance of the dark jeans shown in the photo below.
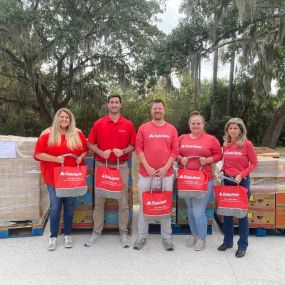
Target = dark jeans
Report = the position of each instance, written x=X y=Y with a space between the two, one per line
x=55 y=208
x=228 y=227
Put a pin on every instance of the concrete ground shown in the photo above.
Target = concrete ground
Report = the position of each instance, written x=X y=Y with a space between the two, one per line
x=27 y=261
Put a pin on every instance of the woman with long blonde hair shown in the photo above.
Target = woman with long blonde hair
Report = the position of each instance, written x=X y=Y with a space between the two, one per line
x=62 y=138
x=239 y=160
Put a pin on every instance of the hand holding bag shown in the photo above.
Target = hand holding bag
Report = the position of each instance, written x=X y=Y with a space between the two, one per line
x=192 y=183
x=231 y=200
x=108 y=182
x=70 y=181
x=157 y=203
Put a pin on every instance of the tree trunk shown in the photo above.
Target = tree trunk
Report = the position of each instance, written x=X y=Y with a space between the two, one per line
x=274 y=130
x=41 y=98
x=215 y=80
x=230 y=89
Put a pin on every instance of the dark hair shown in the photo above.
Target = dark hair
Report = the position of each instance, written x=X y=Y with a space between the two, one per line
x=114 y=96
x=158 y=101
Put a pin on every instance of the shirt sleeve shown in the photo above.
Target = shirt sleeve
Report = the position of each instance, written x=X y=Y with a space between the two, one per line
x=174 y=144
x=92 y=138
x=41 y=145
x=139 y=146
x=133 y=135
x=252 y=157
x=216 y=150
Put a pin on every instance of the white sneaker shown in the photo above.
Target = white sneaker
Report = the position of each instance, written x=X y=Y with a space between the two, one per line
x=68 y=242
x=125 y=241
x=93 y=240
x=139 y=243
x=168 y=244
x=52 y=244
x=200 y=245
x=191 y=241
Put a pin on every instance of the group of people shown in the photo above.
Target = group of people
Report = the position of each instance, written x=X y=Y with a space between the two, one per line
x=157 y=146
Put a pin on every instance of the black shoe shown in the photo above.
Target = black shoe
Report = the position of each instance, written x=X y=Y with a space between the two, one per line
x=240 y=253
x=224 y=247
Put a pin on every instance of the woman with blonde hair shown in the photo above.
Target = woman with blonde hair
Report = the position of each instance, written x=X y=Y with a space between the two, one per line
x=239 y=160
x=62 y=138
x=207 y=149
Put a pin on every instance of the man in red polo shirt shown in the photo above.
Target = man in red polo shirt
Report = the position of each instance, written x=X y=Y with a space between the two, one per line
x=111 y=138
x=157 y=149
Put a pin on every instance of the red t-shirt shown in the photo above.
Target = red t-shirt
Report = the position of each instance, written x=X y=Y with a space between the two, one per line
x=157 y=143
x=239 y=160
x=205 y=146
x=47 y=167
x=107 y=134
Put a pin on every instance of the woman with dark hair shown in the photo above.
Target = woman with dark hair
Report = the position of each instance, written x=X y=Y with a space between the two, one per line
x=239 y=160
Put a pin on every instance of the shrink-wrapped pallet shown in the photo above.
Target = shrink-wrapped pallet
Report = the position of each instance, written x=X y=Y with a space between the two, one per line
x=23 y=196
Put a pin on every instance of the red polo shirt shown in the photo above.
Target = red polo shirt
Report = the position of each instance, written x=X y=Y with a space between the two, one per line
x=107 y=134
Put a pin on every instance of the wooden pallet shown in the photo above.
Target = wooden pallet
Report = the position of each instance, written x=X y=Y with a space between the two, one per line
x=176 y=229
x=25 y=228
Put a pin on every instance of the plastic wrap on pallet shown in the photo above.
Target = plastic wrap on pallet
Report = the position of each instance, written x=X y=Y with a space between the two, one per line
x=267 y=177
x=23 y=195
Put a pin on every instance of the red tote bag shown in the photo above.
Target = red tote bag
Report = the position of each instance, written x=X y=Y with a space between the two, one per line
x=108 y=182
x=192 y=183
x=231 y=200
x=70 y=181
x=157 y=204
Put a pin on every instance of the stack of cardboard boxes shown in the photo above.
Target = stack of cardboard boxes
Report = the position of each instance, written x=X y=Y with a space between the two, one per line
x=266 y=208
x=23 y=196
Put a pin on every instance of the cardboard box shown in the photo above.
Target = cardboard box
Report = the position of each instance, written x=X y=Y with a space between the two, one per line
x=262 y=218
x=261 y=201
x=280 y=199
x=23 y=195
x=280 y=184
x=82 y=217
x=280 y=218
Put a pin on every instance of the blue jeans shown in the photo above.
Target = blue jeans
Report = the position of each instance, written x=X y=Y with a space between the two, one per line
x=197 y=213
x=228 y=227
x=55 y=209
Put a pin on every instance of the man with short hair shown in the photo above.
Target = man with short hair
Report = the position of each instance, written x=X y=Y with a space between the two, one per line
x=112 y=138
x=157 y=149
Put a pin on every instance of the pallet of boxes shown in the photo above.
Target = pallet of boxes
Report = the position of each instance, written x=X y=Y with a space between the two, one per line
x=266 y=207
x=83 y=206
x=24 y=201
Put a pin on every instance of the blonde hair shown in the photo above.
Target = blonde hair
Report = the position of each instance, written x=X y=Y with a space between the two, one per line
x=72 y=137
x=243 y=132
